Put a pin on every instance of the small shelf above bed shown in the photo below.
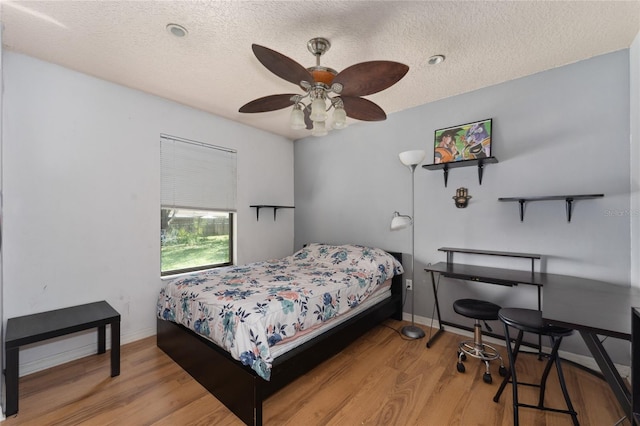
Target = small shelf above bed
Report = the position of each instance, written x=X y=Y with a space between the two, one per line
x=269 y=206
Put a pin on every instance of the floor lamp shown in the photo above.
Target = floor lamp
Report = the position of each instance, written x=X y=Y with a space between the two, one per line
x=410 y=159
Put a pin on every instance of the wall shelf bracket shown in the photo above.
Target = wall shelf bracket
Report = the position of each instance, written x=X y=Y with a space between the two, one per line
x=480 y=171
x=480 y=162
x=275 y=209
x=569 y=206
x=521 y=202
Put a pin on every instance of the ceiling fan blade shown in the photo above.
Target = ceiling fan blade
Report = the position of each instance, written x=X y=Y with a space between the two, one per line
x=371 y=77
x=282 y=66
x=268 y=103
x=362 y=109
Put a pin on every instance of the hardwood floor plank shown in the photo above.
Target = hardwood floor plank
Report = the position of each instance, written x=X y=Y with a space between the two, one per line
x=366 y=401
x=205 y=410
x=380 y=379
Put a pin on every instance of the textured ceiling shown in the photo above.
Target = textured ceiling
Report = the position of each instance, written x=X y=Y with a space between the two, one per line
x=214 y=69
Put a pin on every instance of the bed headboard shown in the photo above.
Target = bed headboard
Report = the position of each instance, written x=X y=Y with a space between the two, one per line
x=396 y=287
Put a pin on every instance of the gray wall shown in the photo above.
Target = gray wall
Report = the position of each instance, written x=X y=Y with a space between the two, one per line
x=563 y=131
x=81 y=181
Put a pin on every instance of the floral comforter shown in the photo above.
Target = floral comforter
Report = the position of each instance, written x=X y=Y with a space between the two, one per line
x=248 y=309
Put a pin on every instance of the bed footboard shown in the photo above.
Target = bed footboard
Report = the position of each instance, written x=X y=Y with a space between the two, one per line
x=233 y=384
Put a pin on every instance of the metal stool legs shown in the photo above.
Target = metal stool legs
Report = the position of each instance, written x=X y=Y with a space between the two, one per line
x=511 y=377
x=477 y=349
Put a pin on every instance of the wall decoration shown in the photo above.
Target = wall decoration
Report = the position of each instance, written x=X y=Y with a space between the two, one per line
x=470 y=141
x=461 y=198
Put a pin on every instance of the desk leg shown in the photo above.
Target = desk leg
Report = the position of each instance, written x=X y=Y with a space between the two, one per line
x=11 y=378
x=435 y=296
x=102 y=339
x=115 y=348
x=539 y=335
x=609 y=371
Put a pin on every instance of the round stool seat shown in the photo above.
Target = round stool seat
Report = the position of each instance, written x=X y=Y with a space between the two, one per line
x=530 y=321
x=476 y=309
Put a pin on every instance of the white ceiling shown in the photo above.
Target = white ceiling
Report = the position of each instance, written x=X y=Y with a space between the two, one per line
x=214 y=69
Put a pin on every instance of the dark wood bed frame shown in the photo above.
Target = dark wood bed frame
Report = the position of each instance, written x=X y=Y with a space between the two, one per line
x=240 y=388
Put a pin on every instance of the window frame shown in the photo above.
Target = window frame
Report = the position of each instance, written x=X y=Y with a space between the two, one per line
x=203 y=267
x=181 y=170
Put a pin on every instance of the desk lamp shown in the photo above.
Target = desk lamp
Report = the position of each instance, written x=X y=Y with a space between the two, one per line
x=410 y=159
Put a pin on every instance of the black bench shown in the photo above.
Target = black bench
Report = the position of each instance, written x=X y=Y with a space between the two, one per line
x=47 y=325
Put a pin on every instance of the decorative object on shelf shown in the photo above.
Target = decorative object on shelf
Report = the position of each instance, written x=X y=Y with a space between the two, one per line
x=461 y=198
x=275 y=209
x=320 y=82
x=568 y=199
x=463 y=145
x=410 y=159
x=470 y=141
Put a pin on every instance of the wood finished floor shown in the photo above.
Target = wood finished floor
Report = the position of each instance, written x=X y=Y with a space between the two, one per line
x=380 y=379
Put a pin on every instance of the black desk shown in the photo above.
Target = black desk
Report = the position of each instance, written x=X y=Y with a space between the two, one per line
x=47 y=325
x=568 y=301
x=507 y=277
x=578 y=303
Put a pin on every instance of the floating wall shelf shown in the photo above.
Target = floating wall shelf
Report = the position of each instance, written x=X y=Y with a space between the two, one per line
x=568 y=199
x=466 y=163
x=268 y=206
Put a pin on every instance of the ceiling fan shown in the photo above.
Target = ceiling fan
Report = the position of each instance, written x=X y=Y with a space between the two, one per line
x=343 y=90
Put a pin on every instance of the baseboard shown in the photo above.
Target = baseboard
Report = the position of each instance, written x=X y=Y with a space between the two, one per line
x=79 y=352
x=582 y=360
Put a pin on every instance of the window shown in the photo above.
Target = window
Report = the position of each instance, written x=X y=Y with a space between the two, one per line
x=194 y=239
x=198 y=199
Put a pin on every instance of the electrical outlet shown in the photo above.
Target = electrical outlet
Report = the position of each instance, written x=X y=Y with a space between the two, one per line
x=409 y=284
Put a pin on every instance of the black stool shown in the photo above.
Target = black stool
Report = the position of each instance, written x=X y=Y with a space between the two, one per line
x=479 y=310
x=530 y=321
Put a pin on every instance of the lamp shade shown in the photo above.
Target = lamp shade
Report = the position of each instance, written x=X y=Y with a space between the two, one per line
x=319 y=128
x=318 y=110
x=412 y=158
x=339 y=118
x=296 y=119
x=400 y=221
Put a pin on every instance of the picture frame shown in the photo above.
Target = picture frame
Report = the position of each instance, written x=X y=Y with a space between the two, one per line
x=470 y=141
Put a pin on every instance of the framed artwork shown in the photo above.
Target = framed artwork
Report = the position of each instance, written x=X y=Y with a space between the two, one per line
x=469 y=141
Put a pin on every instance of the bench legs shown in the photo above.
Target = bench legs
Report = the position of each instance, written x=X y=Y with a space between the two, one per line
x=11 y=381
x=115 y=348
x=12 y=360
x=102 y=339
x=115 y=345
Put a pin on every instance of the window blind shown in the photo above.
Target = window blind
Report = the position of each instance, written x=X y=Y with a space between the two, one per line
x=197 y=175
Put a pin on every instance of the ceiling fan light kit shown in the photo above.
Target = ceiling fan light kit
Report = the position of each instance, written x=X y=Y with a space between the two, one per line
x=319 y=128
x=318 y=109
x=297 y=118
x=325 y=89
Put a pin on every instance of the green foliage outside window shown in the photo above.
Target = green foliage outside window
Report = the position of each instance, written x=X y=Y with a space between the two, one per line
x=192 y=240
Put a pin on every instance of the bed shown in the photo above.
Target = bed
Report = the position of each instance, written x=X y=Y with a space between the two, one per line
x=244 y=332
